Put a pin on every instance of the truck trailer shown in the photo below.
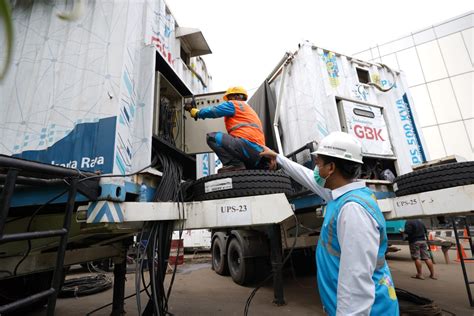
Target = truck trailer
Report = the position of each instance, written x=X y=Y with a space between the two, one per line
x=96 y=150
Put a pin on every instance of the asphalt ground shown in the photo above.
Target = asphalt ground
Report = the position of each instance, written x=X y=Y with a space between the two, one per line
x=198 y=290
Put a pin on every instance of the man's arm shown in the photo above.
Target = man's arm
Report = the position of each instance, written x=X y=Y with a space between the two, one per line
x=224 y=109
x=359 y=238
x=303 y=176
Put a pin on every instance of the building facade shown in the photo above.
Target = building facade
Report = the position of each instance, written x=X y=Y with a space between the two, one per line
x=438 y=63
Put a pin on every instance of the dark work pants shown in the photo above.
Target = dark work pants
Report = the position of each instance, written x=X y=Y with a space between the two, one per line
x=234 y=151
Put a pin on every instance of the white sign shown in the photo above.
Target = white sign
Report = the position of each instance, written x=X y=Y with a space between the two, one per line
x=218 y=185
x=408 y=206
x=367 y=124
x=235 y=212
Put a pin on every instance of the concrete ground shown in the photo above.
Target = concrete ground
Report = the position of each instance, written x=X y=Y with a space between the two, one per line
x=199 y=291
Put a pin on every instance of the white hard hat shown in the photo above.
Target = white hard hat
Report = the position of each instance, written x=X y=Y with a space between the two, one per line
x=340 y=145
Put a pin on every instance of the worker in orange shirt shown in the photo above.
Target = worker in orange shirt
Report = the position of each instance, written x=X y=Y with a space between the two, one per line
x=240 y=148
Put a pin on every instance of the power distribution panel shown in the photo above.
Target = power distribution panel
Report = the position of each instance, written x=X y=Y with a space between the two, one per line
x=195 y=131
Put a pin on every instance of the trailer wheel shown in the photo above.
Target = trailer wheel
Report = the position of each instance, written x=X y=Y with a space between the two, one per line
x=242 y=270
x=435 y=178
x=241 y=183
x=219 y=259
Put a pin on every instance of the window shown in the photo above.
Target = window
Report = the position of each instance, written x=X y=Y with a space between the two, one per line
x=364 y=113
x=363 y=75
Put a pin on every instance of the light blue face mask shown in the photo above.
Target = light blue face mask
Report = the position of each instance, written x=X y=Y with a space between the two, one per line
x=317 y=177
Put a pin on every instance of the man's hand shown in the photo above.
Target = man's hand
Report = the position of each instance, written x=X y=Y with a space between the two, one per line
x=273 y=165
x=188 y=107
x=268 y=153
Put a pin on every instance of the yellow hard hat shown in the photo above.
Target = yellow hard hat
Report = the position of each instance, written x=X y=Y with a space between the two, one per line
x=236 y=90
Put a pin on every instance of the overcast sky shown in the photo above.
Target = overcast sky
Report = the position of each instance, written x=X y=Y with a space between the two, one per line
x=249 y=37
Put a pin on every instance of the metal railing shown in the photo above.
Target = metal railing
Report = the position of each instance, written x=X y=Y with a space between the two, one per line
x=18 y=172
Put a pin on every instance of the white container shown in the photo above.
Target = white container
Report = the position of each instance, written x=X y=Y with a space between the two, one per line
x=324 y=92
x=81 y=93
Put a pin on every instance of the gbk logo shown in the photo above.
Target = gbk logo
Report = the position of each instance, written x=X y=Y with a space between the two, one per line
x=368 y=132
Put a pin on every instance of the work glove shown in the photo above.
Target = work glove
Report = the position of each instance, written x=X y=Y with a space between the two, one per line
x=194 y=113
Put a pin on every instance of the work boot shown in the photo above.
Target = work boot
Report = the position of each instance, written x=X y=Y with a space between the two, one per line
x=231 y=168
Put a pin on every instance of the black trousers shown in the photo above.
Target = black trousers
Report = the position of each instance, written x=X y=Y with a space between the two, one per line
x=234 y=151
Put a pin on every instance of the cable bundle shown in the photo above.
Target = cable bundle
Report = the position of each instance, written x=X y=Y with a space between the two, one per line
x=155 y=241
x=421 y=305
x=86 y=285
x=159 y=235
x=168 y=120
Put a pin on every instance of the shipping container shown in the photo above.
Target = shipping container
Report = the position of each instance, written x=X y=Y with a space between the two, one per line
x=86 y=94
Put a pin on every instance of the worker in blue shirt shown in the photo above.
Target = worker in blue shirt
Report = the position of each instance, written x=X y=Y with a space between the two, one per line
x=239 y=149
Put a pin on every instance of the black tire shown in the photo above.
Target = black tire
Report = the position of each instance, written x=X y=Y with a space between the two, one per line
x=219 y=259
x=435 y=178
x=244 y=183
x=242 y=270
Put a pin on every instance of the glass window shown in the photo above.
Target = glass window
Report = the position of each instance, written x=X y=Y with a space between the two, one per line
x=444 y=103
x=408 y=62
x=463 y=89
x=433 y=142
x=456 y=141
x=422 y=105
x=391 y=61
x=467 y=36
x=455 y=54
x=431 y=61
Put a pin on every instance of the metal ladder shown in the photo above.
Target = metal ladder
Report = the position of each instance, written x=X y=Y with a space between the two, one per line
x=32 y=173
x=463 y=260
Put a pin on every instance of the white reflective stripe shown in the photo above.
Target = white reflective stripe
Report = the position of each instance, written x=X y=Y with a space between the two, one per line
x=328 y=245
x=381 y=260
x=380 y=263
x=233 y=128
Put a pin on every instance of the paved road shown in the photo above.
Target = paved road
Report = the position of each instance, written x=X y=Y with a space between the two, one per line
x=199 y=291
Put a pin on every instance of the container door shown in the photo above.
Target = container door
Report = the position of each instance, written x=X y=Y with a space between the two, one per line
x=368 y=125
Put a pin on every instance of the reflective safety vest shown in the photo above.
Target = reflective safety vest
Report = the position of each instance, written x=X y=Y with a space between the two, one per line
x=245 y=123
x=328 y=255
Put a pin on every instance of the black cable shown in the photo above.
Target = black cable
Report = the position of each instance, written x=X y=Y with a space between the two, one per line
x=168 y=190
x=181 y=229
x=86 y=285
x=107 y=305
x=151 y=269
x=110 y=175
x=251 y=296
x=35 y=213
x=61 y=194
x=423 y=305
x=139 y=267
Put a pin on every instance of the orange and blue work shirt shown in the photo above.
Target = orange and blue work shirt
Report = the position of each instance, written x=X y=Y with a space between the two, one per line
x=240 y=120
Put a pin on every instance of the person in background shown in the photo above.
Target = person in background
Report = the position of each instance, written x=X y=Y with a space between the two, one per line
x=416 y=232
x=238 y=149
x=353 y=276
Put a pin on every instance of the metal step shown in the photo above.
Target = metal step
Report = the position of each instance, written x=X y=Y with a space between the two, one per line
x=26 y=301
x=32 y=235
